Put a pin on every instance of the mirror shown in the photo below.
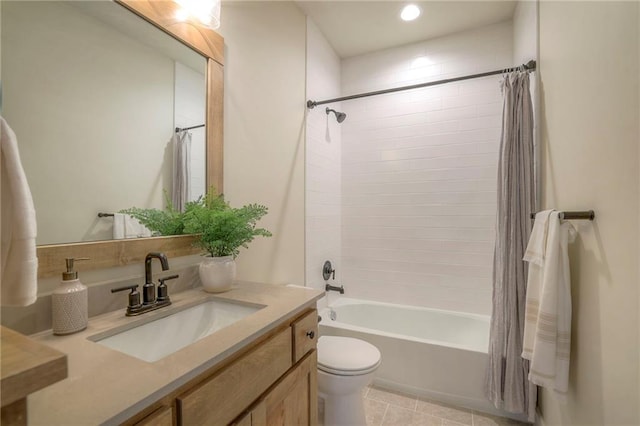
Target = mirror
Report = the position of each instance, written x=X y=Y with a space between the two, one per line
x=94 y=109
x=207 y=43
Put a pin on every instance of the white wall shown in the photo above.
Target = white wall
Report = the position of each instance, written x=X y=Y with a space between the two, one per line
x=264 y=112
x=419 y=172
x=323 y=156
x=525 y=48
x=525 y=31
x=189 y=110
x=590 y=76
x=53 y=56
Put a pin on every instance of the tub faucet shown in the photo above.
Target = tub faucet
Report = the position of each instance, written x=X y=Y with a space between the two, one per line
x=329 y=287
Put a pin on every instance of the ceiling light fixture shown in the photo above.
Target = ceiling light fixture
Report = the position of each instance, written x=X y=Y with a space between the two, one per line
x=205 y=11
x=410 y=12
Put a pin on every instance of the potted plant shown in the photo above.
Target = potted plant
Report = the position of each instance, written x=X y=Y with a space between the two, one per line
x=220 y=231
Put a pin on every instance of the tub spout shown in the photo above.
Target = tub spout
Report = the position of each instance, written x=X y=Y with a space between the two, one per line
x=329 y=287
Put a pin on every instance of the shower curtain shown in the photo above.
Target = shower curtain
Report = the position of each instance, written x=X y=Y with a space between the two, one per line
x=506 y=384
x=181 y=191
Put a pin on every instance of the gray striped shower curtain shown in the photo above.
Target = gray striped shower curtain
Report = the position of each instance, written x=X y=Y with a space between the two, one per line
x=506 y=383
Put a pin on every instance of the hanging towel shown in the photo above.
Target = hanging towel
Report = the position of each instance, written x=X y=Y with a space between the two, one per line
x=19 y=262
x=547 y=328
x=125 y=226
x=181 y=190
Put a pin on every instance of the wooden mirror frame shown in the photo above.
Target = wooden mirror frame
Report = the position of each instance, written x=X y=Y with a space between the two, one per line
x=110 y=253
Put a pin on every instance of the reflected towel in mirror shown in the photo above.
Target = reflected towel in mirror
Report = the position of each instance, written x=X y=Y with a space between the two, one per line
x=125 y=226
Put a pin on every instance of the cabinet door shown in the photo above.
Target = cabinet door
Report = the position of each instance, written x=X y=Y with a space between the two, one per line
x=161 y=417
x=256 y=417
x=293 y=401
x=221 y=398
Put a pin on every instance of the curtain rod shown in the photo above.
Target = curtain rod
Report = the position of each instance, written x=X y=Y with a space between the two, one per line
x=529 y=66
x=178 y=129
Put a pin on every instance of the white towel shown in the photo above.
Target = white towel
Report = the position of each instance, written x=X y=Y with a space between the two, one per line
x=125 y=226
x=19 y=262
x=547 y=328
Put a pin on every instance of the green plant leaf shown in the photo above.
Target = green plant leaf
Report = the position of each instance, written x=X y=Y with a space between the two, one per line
x=220 y=229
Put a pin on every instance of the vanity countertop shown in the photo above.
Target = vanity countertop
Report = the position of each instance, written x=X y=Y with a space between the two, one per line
x=107 y=386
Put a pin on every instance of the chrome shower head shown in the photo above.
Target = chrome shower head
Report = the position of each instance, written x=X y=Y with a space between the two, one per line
x=340 y=116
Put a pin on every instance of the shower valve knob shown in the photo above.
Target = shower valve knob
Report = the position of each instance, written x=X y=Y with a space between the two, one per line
x=328 y=271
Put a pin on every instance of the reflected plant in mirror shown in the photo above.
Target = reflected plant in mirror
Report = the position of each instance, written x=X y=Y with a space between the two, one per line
x=169 y=221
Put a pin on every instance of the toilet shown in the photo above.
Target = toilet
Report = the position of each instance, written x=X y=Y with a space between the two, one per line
x=345 y=366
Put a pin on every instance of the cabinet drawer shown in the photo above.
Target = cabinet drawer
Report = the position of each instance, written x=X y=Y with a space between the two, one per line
x=224 y=396
x=305 y=335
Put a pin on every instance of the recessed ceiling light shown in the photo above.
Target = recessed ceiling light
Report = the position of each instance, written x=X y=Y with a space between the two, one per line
x=410 y=12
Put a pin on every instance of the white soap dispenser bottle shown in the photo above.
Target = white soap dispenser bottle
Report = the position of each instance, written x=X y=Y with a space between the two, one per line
x=70 y=302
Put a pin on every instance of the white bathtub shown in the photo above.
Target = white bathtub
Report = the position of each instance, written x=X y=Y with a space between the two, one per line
x=431 y=353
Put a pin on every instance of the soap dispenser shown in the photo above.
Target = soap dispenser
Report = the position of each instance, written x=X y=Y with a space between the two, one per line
x=70 y=302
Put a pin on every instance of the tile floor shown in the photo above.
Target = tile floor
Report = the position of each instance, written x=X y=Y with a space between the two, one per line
x=388 y=408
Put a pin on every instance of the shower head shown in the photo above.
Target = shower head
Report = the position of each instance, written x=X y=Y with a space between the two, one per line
x=340 y=116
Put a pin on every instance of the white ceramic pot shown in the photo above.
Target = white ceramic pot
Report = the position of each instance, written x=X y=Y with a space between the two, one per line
x=217 y=273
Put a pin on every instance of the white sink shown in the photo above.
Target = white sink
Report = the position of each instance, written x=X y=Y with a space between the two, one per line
x=154 y=340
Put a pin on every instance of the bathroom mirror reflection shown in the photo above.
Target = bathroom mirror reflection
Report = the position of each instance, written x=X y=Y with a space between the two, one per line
x=94 y=94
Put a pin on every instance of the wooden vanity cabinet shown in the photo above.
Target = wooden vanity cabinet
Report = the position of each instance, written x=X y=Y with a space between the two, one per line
x=290 y=401
x=163 y=416
x=293 y=400
x=273 y=382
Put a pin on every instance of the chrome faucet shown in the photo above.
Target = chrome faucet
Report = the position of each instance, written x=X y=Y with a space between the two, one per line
x=149 y=300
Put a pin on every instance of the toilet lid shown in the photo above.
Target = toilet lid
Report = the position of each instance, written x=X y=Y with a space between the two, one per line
x=346 y=356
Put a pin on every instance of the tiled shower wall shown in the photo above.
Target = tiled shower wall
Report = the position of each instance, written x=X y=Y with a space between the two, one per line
x=419 y=172
x=323 y=152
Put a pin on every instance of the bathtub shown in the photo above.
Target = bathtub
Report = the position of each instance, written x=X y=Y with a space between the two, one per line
x=441 y=355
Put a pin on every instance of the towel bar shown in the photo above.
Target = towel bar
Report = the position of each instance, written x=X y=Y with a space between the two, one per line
x=178 y=129
x=581 y=215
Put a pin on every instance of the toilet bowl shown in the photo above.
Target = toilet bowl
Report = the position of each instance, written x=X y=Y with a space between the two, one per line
x=345 y=366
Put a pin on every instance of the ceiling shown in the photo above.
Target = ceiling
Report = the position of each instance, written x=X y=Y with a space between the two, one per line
x=357 y=27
